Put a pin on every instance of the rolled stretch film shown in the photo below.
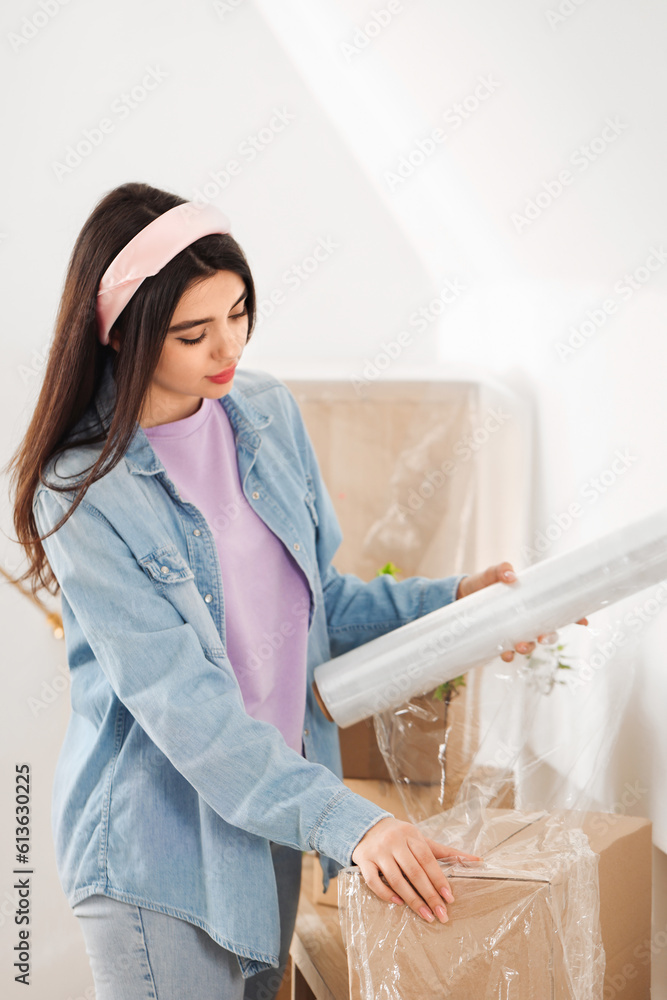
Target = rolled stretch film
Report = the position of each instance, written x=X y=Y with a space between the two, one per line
x=415 y=658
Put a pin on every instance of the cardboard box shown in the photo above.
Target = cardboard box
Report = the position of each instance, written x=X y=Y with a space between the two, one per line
x=360 y=754
x=415 y=745
x=521 y=926
x=374 y=449
x=624 y=844
x=386 y=795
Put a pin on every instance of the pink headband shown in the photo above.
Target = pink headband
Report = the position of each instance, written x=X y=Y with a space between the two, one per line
x=148 y=252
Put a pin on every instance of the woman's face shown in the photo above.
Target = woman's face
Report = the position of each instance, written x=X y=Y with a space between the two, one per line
x=207 y=335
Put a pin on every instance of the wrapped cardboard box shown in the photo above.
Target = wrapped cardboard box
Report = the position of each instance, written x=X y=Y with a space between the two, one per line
x=376 y=444
x=360 y=754
x=387 y=795
x=526 y=924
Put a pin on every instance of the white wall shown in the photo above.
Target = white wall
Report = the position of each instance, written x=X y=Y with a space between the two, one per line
x=225 y=70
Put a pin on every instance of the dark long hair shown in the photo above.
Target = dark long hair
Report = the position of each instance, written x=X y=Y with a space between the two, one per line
x=76 y=358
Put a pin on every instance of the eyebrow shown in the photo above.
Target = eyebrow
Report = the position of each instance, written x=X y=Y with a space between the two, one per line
x=188 y=324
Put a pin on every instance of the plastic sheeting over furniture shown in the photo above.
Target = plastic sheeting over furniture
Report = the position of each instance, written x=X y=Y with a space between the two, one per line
x=528 y=736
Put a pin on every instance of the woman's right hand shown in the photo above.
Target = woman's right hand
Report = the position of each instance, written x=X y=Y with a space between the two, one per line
x=407 y=859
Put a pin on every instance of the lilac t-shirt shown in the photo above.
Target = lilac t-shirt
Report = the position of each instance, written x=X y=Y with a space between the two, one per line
x=266 y=594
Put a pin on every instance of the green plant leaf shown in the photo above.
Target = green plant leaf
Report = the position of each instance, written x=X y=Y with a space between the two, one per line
x=390 y=569
x=449 y=687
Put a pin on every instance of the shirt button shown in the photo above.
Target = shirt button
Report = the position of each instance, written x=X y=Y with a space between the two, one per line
x=297 y=546
x=164 y=569
x=196 y=532
x=306 y=732
x=208 y=598
x=255 y=496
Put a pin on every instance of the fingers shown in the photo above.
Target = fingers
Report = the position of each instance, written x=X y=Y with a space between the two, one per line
x=505 y=572
x=395 y=880
x=371 y=875
x=442 y=852
x=501 y=572
x=526 y=648
x=547 y=638
x=413 y=873
x=400 y=865
x=402 y=884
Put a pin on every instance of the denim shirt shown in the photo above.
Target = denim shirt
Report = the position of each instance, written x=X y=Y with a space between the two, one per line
x=166 y=793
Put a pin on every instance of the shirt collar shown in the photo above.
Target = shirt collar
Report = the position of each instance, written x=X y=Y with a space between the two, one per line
x=245 y=418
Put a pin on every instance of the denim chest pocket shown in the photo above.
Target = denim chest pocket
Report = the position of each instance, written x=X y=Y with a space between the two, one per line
x=167 y=565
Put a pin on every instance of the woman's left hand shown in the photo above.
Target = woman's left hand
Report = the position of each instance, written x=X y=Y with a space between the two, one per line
x=503 y=573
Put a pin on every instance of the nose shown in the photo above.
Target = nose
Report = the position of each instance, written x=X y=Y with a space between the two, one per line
x=228 y=362
x=226 y=348
x=227 y=354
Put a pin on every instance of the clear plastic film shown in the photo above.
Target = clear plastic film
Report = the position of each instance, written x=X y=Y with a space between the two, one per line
x=526 y=921
x=507 y=760
x=535 y=733
x=522 y=793
x=443 y=644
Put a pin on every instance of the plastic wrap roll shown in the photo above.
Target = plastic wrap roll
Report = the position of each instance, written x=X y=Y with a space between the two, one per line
x=415 y=658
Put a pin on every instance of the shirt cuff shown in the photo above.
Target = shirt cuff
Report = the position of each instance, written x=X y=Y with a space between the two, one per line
x=344 y=822
x=437 y=593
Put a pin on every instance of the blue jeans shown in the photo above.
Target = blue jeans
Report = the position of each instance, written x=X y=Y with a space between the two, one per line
x=140 y=954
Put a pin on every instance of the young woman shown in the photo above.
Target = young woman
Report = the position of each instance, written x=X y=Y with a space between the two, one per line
x=175 y=501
